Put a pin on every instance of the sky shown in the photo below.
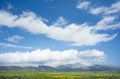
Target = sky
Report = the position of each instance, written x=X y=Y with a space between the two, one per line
x=59 y=32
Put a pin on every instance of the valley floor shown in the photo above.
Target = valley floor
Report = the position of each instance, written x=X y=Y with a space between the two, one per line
x=59 y=75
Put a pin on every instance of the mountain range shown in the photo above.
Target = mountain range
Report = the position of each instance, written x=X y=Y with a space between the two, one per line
x=62 y=68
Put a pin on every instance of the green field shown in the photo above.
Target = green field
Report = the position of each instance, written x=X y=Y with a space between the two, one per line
x=59 y=75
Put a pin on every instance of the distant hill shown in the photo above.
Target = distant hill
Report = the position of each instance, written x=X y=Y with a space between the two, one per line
x=46 y=68
x=89 y=68
x=65 y=68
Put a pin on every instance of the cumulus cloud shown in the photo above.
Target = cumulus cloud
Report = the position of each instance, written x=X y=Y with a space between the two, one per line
x=9 y=45
x=83 y=5
x=51 y=58
x=14 y=38
x=76 y=34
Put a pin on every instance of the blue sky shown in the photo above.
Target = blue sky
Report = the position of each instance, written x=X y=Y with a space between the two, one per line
x=59 y=32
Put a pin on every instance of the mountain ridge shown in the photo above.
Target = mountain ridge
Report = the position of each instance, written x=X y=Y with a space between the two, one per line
x=62 y=68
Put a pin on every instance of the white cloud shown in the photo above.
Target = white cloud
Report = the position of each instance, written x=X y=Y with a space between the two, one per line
x=61 y=22
x=14 y=38
x=114 y=8
x=9 y=45
x=51 y=58
x=106 y=20
x=94 y=54
x=9 y=6
x=79 y=35
x=30 y=22
x=83 y=5
x=107 y=23
x=109 y=16
x=7 y=18
x=98 y=10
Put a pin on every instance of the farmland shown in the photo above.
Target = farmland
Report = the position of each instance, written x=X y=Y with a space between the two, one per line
x=60 y=75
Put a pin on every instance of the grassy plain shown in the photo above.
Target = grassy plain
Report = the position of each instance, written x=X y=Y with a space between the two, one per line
x=59 y=75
